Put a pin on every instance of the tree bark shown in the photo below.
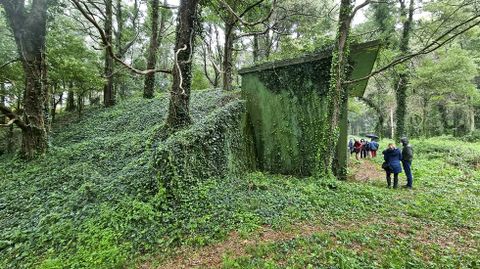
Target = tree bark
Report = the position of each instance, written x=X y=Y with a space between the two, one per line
x=155 y=40
x=2 y=101
x=108 y=89
x=29 y=30
x=256 y=49
x=337 y=92
x=403 y=79
x=70 y=99
x=381 y=119
x=228 y=56
x=178 y=112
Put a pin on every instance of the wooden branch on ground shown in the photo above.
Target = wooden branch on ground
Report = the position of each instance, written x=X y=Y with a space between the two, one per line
x=108 y=47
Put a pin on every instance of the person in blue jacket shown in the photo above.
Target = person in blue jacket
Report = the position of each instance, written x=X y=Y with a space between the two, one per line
x=392 y=157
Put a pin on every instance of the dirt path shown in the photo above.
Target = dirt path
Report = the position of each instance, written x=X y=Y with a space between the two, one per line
x=212 y=256
x=365 y=170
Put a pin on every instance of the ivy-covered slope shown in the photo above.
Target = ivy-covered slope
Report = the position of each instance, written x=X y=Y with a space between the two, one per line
x=216 y=147
x=88 y=203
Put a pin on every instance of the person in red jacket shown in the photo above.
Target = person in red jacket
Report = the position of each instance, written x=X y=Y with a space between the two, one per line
x=357 y=147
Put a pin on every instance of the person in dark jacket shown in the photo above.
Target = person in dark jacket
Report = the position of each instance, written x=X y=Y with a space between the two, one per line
x=407 y=158
x=350 y=146
x=357 y=147
x=374 y=147
x=392 y=157
x=363 y=150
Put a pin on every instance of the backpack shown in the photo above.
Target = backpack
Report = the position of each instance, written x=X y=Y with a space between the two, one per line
x=373 y=145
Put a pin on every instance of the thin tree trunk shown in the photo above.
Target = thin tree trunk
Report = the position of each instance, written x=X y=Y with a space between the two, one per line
x=108 y=89
x=256 y=48
x=392 y=125
x=2 y=101
x=425 y=115
x=70 y=98
x=378 y=110
x=178 y=112
x=228 y=57
x=155 y=40
x=403 y=79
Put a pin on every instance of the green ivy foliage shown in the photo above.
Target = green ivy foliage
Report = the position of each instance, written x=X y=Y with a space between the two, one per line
x=215 y=147
x=285 y=105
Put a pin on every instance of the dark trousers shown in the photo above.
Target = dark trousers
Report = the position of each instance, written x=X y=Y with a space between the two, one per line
x=395 y=179
x=363 y=153
x=407 y=166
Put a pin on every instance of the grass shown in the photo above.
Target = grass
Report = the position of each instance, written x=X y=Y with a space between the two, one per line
x=437 y=225
x=93 y=202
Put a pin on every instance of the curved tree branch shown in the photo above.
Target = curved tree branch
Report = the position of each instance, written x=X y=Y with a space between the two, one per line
x=434 y=45
x=109 y=48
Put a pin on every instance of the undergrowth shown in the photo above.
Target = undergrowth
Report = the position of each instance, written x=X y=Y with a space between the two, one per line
x=93 y=202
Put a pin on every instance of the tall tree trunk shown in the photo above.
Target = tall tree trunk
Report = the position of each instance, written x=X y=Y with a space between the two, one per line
x=228 y=56
x=70 y=98
x=29 y=29
x=256 y=49
x=381 y=119
x=425 y=116
x=403 y=78
x=2 y=101
x=337 y=92
x=155 y=40
x=178 y=111
x=108 y=89
x=442 y=110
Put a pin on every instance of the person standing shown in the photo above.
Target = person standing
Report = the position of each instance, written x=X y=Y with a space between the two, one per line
x=350 y=146
x=363 y=149
x=407 y=158
x=392 y=157
x=357 y=147
x=374 y=147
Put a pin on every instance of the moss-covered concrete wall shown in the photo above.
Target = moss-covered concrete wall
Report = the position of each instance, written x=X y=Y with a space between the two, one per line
x=285 y=102
x=283 y=105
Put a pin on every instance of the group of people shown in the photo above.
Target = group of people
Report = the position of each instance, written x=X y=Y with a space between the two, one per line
x=363 y=148
x=395 y=160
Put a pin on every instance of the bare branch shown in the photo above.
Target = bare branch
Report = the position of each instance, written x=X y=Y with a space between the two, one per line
x=109 y=47
x=239 y=18
x=9 y=62
x=434 y=45
x=14 y=118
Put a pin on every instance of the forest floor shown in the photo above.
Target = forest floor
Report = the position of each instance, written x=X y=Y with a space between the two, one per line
x=395 y=238
x=93 y=202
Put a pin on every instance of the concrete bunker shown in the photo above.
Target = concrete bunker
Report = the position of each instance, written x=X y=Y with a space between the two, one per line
x=285 y=101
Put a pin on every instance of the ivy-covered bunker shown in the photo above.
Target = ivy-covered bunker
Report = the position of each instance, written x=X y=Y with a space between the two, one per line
x=285 y=101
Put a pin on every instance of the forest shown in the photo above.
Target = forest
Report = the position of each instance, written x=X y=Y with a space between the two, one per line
x=213 y=133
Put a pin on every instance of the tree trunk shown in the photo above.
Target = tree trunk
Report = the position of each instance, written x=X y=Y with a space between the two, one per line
x=29 y=29
x=178 y=111
x=2 y=101
x=108 y=89
x=381 y=119
x=402 y=81
x=228 y=57
x=70 y=98
x=256 y=48
x=337 y=93
x=425 y=115
x=155 y=40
